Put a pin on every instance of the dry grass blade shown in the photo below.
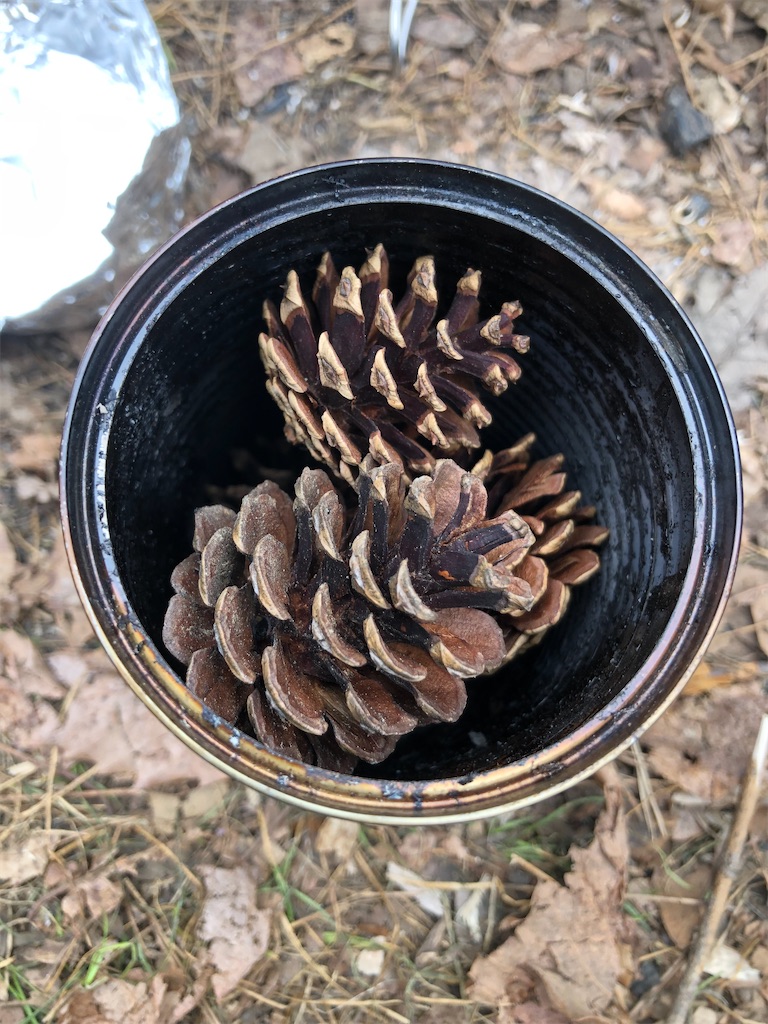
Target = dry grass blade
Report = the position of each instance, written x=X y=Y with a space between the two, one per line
x=727 y=872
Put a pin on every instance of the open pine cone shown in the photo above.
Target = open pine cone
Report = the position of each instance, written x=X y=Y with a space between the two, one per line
x=338 y=629
x=356 y=375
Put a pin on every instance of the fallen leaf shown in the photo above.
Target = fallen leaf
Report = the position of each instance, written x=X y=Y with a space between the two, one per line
x=682 y=919
x=572 y=941
x=372 y=26
x=370 y=962
x=705 y=1015
x=530 y=1013
x=117 y=1001
x=720 y=101
x=471 y=914
x=12 y=1014
x=265 y=153
x=428 y=899
x=705 y=678
x=22 y=663
x=759 y=609
x=30 y=487
x=22 y=673
x=735 y=331
x=8 y=563
x=333 y=42
x=94 y=895
x=337 y=839
x=260 y=62
x=644 y=153
x=622 y=204
x=526 y=47
x=28 y=859
x=728 y=963
x=37 y=453
x=205 y=799
x=164 y=808
x=106 y=724
x=733 y=240
x=756 y=10
x=238 y=932
x=445 y=31
x=703 y=744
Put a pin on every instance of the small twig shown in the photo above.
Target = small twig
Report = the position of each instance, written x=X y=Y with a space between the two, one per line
x=726 y=874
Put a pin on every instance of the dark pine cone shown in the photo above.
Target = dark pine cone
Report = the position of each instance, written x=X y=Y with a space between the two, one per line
x=339 y=629
x=356 y=375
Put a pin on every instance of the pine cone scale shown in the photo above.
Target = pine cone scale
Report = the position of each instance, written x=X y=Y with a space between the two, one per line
x=293 y=694
x=235 y=614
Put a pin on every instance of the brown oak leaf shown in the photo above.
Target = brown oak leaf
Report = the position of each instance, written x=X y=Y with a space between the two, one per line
x=569 y=949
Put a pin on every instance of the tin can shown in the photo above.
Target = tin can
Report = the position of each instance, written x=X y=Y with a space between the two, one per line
x=617 y=379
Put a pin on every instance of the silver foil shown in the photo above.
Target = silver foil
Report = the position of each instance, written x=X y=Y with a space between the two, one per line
x=92 y=156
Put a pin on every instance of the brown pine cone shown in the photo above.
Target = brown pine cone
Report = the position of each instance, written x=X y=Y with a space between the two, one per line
x=562 y=554
x=340 y=628
x=356 y=375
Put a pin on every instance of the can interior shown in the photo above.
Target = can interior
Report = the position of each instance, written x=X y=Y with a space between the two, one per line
x=593 y=387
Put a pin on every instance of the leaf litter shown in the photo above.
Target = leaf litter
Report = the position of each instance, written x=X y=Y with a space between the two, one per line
x=147 y=888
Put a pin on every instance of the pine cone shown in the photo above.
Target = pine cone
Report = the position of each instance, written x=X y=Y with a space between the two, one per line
x=339 y=629
x=562 y=555
x=355 y=375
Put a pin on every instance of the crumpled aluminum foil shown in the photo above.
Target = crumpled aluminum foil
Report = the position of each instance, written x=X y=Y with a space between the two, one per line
x=92 y=156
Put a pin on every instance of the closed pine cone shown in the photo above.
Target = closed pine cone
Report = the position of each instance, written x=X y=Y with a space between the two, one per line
x=357 y=375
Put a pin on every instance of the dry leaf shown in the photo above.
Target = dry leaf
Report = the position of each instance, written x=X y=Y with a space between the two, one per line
x=372 y=26
x=238 y=932
x=525 y=47
x=337 y=838
x=164 y=808
x=427 y=898
x=703 y=744
x=8 y=564
x=106 y=724
x=623 y=205
x=727 y=963
x=733 y=240
x=759 y=609
x=682 y=919
x=37 y=453
x=735 y=331
x=11 y=1014
x=23 y=665
x=705 y=678
x=29 y=487
x=572 y=940
x=22 y=675
x=720 y=101
x=705 y=1015
x=370 y=962
x=205 y=799
x=333 y=42
x=471 y=914
x=756 y=10
x=94 y=895
x=530 y=1013
x=120 y=1002
x=445 y=31
x=260 y=64
x=265 y=153
x=28 y=859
